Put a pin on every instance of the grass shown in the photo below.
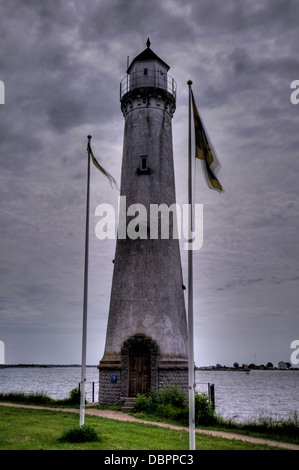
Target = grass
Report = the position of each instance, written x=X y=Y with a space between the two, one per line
x=79 y=433
x=41 y=398
x=286 y=430
x=31 y=429
x=171 y=405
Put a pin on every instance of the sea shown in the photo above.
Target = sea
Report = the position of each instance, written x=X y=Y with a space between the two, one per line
x=238 y=396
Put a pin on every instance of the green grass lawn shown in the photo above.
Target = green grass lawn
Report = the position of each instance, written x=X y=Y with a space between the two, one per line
x=30 y=429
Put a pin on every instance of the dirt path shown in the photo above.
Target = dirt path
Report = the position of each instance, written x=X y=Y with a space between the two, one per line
x=118 y=415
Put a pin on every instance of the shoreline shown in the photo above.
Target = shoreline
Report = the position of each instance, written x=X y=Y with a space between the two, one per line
x=240 y=369
x=201 y=368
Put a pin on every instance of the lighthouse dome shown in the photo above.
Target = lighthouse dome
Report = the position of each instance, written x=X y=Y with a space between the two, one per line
x=147 y=70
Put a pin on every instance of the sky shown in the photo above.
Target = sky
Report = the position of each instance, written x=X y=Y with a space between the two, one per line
x=61 y=63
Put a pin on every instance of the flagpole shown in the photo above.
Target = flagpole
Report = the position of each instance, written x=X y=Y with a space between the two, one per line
x=190 y=292
x=84 y=329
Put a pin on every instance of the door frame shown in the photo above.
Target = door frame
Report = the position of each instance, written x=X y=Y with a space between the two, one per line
x=138 y=342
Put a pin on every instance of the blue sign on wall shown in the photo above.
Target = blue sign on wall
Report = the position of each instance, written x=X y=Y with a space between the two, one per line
x=113 y=378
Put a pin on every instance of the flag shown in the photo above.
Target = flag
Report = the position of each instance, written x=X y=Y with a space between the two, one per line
x=99 y=167
x=203 y=149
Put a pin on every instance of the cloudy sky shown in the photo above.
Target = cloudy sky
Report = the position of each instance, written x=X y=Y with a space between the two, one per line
x=61 y=63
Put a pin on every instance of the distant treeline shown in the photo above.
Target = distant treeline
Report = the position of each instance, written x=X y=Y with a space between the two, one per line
x=238 y=369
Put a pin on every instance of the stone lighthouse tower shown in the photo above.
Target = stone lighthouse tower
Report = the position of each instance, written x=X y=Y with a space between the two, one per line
x=146 y=341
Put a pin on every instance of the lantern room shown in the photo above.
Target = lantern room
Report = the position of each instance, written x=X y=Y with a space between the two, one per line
x=147 y=70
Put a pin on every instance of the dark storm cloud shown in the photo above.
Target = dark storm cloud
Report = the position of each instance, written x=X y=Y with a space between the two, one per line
x=266 y=15
x=46 y=67
x=61 y=63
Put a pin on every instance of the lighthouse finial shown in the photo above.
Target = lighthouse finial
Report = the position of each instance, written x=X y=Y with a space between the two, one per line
x=148 y=43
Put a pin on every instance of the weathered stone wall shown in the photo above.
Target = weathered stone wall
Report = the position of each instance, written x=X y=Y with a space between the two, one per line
x=173 y=377
x=147 y=288
x=109 y=392
x=115 y=393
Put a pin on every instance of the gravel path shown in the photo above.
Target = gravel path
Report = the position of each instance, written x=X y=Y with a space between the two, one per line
x=118 y=415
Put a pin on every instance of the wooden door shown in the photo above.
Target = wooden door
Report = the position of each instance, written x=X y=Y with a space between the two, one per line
x=139 y=374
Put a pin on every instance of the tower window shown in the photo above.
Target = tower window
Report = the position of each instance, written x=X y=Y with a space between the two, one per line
x=143 y=166
x=144 y=71
x=143 y=163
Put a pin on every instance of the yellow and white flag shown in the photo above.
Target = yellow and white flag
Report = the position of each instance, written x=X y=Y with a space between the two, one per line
x=204 y=150
x=99 y=167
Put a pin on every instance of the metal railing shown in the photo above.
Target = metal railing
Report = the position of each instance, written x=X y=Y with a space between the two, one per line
x=151 y=79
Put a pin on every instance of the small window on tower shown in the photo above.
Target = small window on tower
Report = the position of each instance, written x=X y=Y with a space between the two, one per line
x=143 y=163
x=144 y=71
x=143 y=168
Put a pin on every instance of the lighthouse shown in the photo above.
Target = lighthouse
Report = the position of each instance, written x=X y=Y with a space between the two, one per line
x=146 y=340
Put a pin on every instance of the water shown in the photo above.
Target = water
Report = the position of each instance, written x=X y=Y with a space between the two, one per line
x=238 y=396
x=247 y=397
x=56 y=382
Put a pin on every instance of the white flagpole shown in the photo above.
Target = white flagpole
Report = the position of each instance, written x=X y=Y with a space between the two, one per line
x=84 y=329
x=192 y=445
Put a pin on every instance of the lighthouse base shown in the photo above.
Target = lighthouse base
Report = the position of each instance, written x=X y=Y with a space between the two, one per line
x=114 y=387
x=138 y=369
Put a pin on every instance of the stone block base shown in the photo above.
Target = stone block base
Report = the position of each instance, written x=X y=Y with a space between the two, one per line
x=173 y=374
x=113 y=379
